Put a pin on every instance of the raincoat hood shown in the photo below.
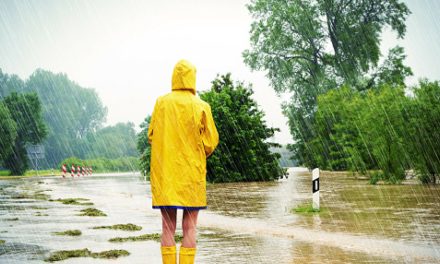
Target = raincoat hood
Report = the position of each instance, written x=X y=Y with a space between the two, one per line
x=184 y=76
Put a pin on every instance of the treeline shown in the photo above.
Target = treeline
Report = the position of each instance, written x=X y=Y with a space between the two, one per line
x=73 y=117
x=379 y=129
x=349 y=106
x=70 y=118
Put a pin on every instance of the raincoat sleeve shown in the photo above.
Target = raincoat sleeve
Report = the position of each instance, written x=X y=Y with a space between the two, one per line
x=209 y=132
x=151 y=125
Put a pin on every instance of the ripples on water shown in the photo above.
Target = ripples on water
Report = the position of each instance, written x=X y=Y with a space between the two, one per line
x=244 y=223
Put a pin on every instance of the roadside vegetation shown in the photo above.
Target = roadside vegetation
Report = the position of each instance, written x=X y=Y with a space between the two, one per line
x=68 y=233
x=125 y=227
x=77 y=253
x=154 y=236
x=91 y=212
x=349 y=107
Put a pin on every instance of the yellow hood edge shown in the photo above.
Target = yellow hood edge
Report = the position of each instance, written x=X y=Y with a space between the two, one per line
x=184 y=76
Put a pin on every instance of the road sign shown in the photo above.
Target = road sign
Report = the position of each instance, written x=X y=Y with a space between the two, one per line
x=35 y=152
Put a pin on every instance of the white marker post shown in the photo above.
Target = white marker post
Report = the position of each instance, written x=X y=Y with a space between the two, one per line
x=315 y=188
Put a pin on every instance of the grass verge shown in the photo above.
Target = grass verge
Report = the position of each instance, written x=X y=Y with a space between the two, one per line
x=153 y=236
x=38 y=195
x=125 y=227
x=68 y=233
x=74 y=201
x=5 y=174
x=66 y=254
x=306 y=209
x=92 y=212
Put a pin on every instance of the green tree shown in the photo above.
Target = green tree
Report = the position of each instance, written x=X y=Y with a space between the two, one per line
x=144 y=147
x=363 y=131
x=109 y=142
x=74 y=116
x=243 y=153
x=309 y=47
x=384 y=128
x=9 y=84
x=8 y=132
x=339 y=144
x=70 y=111
x=423 y=130
x=25 y=110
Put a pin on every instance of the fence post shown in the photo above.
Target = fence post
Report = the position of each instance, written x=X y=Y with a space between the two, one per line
x=64 y=170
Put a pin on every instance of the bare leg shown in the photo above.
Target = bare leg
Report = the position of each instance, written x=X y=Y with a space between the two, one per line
x=168 y=227
x=189 y=225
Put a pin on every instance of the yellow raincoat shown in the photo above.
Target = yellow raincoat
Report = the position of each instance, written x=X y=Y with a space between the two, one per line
x=182 y=135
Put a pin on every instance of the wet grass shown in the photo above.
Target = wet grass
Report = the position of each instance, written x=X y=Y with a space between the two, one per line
x=40 y=214
x=154 y=236
x=36 y=196
x=73 y=201
x=66 y=254
x=306 y=209
x=212 y=235
x=125 y=227
x=68 y=233
x=92 y=212
x=2 y=241
x=6 y=175
x=111 y=254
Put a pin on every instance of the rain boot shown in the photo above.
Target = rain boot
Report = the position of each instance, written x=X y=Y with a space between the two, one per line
x=187 y=255
x=168 y=255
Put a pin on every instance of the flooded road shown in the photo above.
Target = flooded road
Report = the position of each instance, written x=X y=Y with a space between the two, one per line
x=244 y=223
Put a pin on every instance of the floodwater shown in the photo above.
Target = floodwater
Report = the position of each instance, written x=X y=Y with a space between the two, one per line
x=244 y=223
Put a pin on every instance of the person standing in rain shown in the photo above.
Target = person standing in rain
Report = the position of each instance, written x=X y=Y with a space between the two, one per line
x=182 y=135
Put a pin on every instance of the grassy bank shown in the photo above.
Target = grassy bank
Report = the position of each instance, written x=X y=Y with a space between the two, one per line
x=4 y=174
x=99 y=165
x=376 y=176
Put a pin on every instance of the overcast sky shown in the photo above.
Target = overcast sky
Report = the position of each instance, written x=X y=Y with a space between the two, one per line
x=126 y=50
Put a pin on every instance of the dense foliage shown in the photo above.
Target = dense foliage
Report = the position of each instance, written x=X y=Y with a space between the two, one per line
x=74 y=116
x=21 y=124
x=362 y=131
x=423 y=136
x=347 y=111
x=8 y=132
x=310 y=47
x=144 y=148
x=70 y=112
x=243 y=153
x=122 y=137
x=382 y=129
